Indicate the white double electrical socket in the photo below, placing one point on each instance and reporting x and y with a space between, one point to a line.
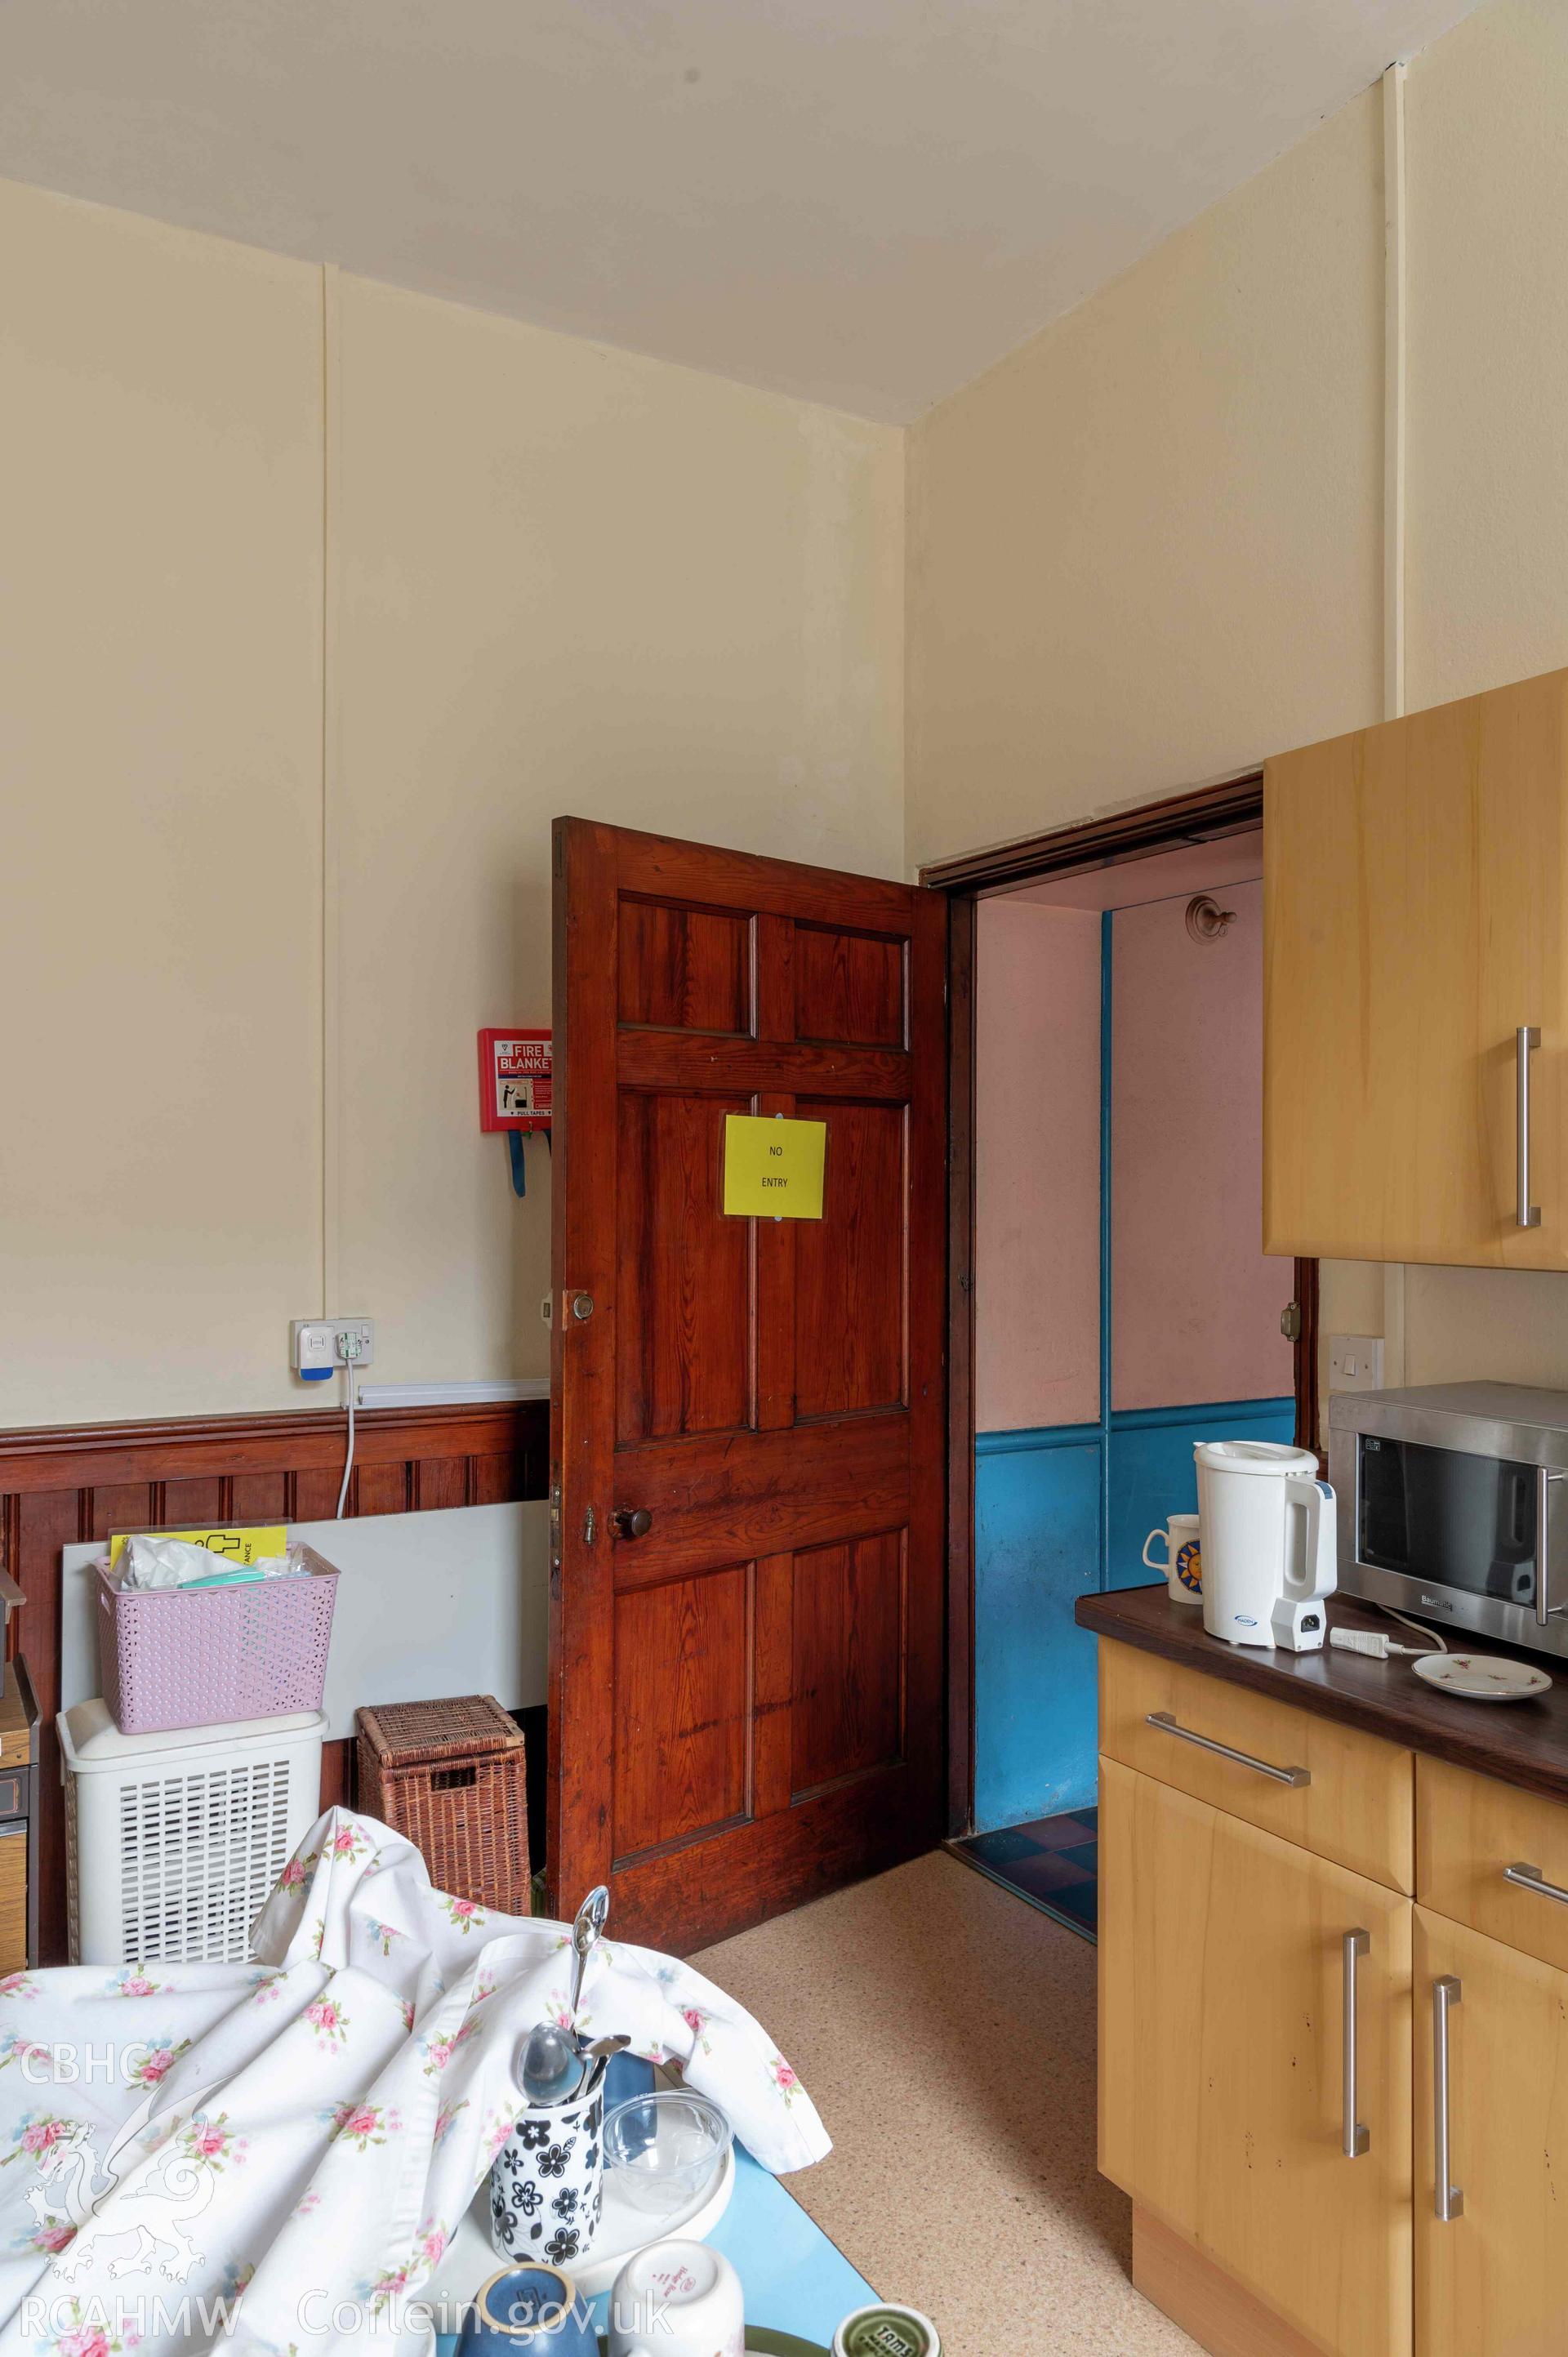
320 1344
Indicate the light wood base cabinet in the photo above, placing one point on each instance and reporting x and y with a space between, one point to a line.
1355 1803
1223 2038
1219 2313
13 1896
1223 2041
1493 2280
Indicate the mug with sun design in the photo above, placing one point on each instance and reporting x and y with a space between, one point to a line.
1183 1566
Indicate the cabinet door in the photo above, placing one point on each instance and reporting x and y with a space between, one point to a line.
1222 2042
1493 2280
1414 919
13 1896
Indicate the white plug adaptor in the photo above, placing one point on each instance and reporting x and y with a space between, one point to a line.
319 1346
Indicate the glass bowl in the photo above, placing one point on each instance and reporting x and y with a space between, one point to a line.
665 2150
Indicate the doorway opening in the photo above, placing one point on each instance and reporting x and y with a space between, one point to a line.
1119 1307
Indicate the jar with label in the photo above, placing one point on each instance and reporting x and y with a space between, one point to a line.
887 2330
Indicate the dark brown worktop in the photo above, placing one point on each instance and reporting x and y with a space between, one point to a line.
1521 1743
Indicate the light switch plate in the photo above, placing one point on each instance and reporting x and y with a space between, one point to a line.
1355 1362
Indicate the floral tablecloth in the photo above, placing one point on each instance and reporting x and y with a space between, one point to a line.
273 2156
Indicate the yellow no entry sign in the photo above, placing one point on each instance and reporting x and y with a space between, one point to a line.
773 1169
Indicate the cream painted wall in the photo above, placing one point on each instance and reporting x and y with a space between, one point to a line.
1146 549
1486 540
570 581
1487 490
160 748
558 579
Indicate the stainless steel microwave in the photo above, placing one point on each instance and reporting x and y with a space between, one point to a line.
1452 1505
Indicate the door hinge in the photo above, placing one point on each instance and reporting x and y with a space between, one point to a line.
589 1527
1290 1321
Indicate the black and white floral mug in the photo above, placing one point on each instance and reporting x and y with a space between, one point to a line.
546 2180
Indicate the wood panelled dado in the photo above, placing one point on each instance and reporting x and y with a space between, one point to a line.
747 1695
67 1484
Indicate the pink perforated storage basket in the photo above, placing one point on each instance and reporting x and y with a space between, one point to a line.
201 1656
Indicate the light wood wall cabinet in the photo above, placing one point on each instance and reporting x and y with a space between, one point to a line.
1414 902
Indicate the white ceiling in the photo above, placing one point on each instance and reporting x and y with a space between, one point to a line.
865 201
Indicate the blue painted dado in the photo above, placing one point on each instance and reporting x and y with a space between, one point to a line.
1041 1540
1036 1550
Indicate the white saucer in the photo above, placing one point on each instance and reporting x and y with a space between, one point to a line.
1482 1677
471 2258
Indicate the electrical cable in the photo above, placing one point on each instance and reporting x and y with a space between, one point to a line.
350 1350
1436 1642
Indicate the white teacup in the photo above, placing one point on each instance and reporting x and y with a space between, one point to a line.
677 2300
1183 1566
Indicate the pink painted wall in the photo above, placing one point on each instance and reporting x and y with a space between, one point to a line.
1196 1304
1036 1167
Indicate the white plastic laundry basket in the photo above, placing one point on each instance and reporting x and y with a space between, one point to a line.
174 1841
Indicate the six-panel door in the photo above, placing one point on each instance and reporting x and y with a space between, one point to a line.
1222 2048
748 1430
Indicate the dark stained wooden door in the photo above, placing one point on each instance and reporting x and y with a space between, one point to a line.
747 1699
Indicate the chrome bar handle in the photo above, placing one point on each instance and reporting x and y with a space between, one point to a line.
1528 1037
1531 1878
1544 1606
1447 2200
1357 2136
1168 1726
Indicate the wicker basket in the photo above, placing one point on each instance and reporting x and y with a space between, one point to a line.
449 1777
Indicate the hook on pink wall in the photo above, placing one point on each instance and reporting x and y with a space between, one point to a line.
1206 921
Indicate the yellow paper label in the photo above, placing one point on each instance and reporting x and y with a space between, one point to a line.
773 1169
234 1545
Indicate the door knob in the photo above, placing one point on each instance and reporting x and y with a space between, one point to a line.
632 1522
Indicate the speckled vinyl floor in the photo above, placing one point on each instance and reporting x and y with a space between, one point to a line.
945 2029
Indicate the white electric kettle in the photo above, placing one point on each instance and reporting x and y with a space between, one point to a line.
1266 1526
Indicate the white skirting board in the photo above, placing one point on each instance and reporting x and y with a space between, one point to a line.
447 1603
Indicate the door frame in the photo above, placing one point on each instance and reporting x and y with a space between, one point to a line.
1232 807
